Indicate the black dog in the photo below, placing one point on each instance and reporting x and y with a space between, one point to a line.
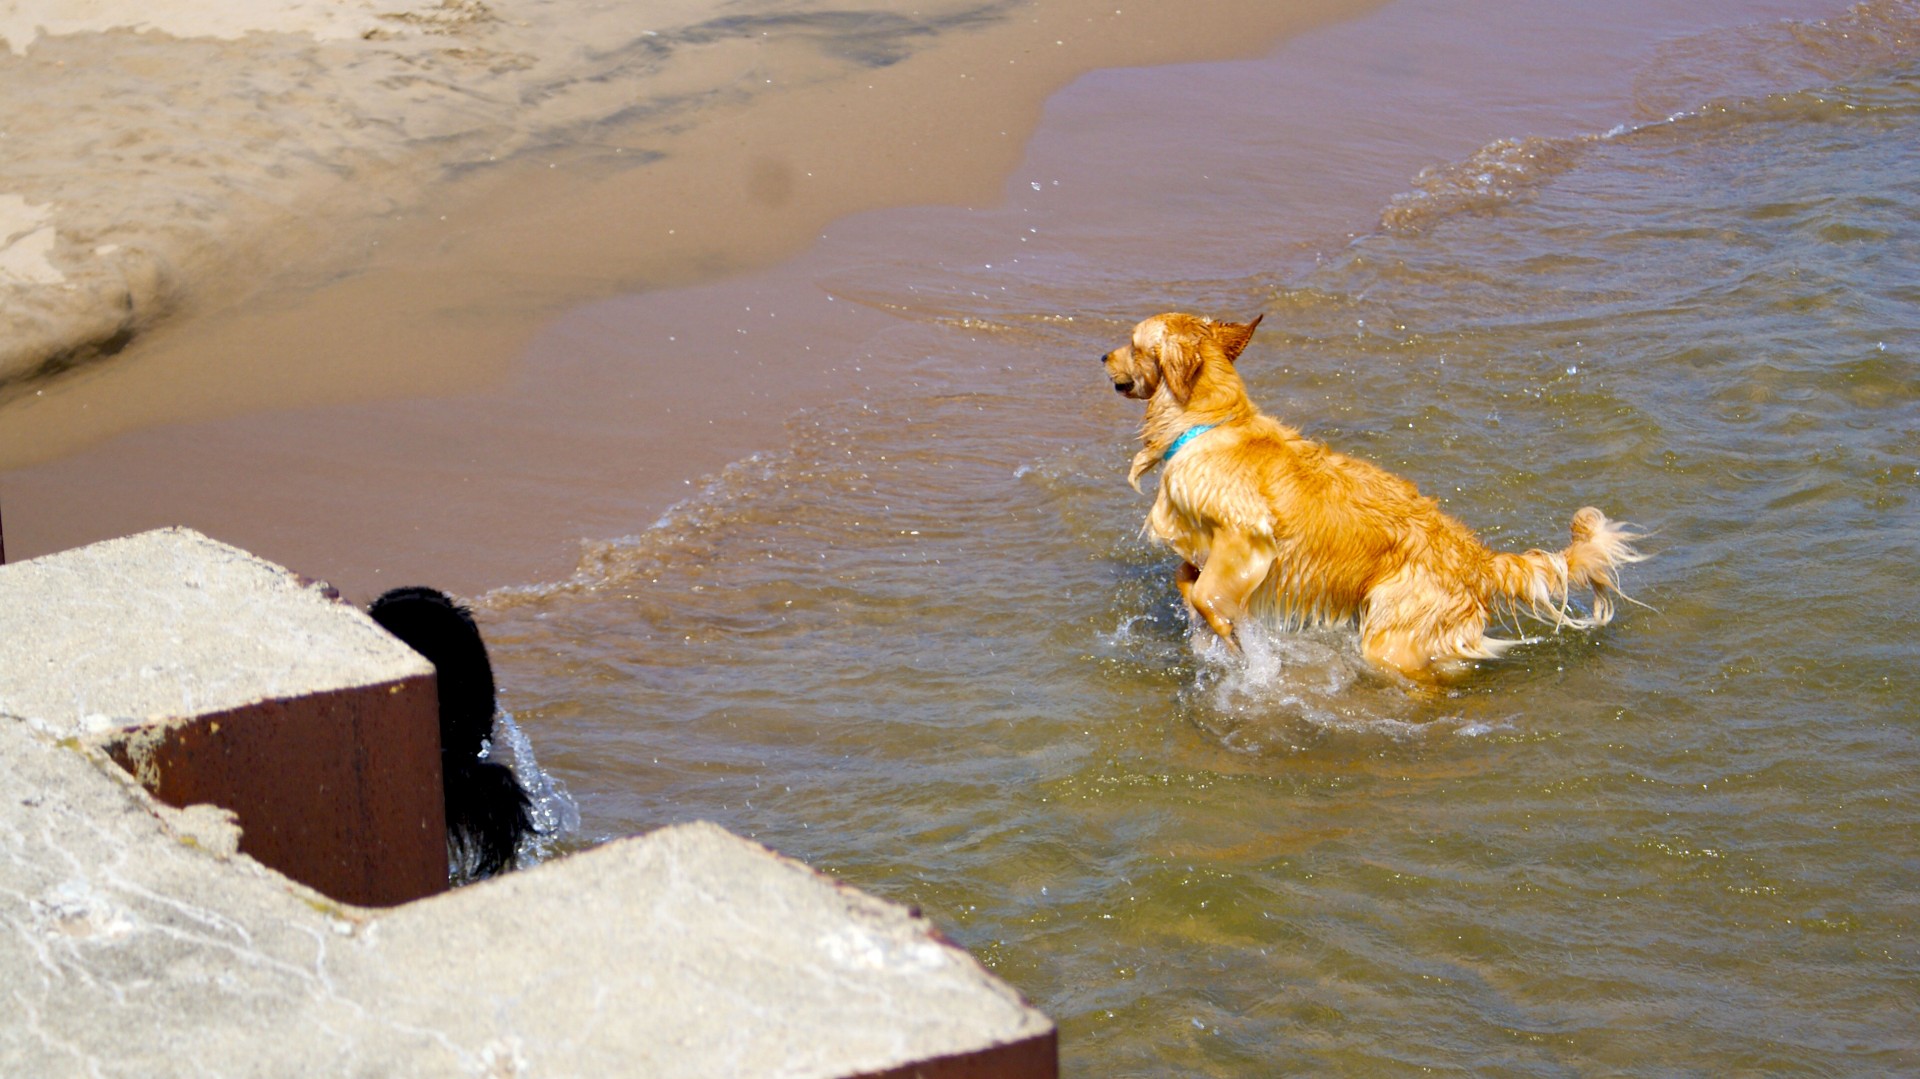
488 813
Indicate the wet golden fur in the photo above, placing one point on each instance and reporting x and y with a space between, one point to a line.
1269 520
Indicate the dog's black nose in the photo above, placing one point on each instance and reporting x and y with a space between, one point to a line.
1123 387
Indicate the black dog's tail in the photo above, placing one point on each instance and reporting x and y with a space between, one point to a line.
488 813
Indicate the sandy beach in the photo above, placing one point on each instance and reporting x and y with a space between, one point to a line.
473 317
215 211
452 173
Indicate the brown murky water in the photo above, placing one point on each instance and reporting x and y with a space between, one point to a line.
922 646
915 639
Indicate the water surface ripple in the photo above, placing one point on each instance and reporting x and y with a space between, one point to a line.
925 648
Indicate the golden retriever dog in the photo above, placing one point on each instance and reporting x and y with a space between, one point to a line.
1271 522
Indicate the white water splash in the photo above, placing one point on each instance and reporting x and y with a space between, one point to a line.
555 814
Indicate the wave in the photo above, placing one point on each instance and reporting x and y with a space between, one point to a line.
1732 75
1492 176
679 536
1734 66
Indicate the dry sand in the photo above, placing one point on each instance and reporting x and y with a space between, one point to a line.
151 146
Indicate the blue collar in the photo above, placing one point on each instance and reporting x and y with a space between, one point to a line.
1186 436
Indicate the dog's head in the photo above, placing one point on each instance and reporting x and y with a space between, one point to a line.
1170 350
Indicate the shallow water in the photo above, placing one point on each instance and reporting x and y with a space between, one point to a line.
924 647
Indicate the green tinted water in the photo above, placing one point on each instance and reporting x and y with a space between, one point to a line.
926 650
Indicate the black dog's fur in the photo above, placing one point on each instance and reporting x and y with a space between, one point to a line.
488 813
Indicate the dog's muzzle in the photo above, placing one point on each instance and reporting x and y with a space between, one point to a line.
1123 388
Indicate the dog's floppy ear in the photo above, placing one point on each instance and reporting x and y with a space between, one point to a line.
1180 363
1233 336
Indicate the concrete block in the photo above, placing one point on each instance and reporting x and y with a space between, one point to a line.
216 677
135 947
138 938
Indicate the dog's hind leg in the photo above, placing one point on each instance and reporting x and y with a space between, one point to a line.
1416 623
1397 651
1224 587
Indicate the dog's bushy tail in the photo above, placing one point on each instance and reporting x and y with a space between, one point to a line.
1538 583
488 813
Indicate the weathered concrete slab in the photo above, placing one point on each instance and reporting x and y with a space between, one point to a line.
217 677
141 939
133 946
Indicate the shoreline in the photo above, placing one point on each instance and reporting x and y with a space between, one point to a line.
548 433
424 269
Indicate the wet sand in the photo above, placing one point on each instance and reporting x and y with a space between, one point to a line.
729 157
741 149
576 347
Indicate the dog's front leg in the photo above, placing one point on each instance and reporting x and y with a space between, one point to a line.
1222 591
1183 579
